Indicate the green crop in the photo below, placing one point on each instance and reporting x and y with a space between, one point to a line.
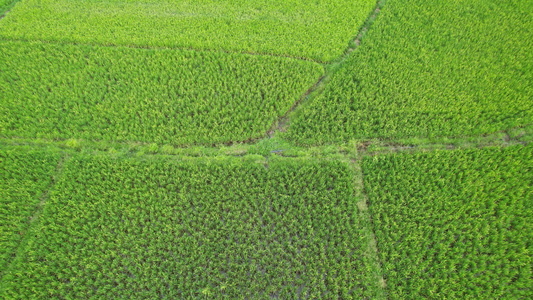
177 97
430 68
5 5
198 228
24 177
318 30
454 224
216 149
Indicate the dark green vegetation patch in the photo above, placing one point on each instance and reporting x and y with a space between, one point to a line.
25 177
5 5
454 224
199 228
163 96
318 30
430 69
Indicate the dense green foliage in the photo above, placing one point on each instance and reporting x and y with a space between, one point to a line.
3 5
455 224
116 228
99 84
125 94
430 68
6 5
318 30
24 177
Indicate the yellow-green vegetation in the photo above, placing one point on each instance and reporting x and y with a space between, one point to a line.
25 176
214 228
318 30
430 68
454 224
177 97
298 149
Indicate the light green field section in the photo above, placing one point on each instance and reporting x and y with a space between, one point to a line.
198 228
454 224
24 178
430 68
318 30
177 97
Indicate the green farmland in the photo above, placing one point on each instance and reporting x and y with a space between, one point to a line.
322 29
429 69
299 149
454 224
67 91
225 228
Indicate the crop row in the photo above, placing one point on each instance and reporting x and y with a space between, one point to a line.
176 97
122 228
429 69
318 30
24 176
454 224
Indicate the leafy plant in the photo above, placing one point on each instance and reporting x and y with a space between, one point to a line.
454 224
317 30
25 176
429 69
160 96
215 228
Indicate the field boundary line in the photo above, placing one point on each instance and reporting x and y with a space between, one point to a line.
3 14
356 41
435 147
515 136
505 138
140 47
284 118
522 135
365 217
331 69
34 218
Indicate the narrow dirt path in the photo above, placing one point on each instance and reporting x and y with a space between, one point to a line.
36 213
371 251
331 68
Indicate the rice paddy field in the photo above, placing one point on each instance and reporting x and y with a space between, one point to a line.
298 149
